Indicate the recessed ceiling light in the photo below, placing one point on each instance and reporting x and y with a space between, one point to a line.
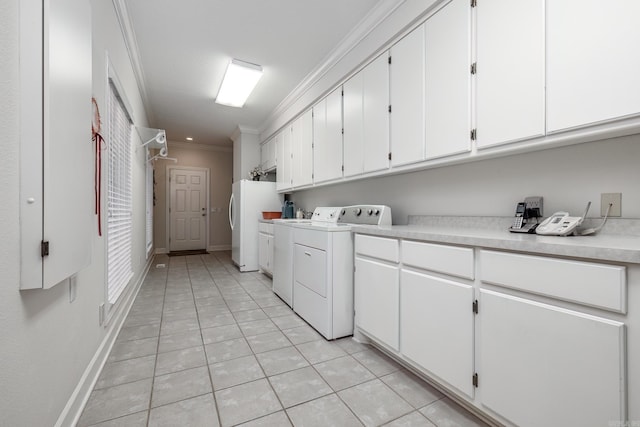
189 138
239 81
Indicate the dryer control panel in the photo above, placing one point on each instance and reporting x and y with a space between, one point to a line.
365 215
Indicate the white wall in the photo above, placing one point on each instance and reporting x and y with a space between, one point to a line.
566 177
246 152
219 161
46 341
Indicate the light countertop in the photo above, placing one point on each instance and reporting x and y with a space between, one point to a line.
623 248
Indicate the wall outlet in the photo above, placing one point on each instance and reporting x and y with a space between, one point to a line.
534 202
615 199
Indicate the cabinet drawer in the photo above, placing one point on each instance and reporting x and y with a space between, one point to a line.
451 260
265 227
377 247
309 269
312 238
596 285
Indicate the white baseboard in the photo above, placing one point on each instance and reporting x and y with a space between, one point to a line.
213 248
75 405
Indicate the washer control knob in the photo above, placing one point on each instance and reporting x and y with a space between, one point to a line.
377 212
369 212
357 211
344 211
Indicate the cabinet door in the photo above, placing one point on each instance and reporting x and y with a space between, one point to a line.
263 252
541 365
334 135
376 114
302 148
510 71
447 82
268 154
592 62
283 159
56 158
377 300
263 155
279 160
327 138
320 145
436 327
407 99
270 251
353 125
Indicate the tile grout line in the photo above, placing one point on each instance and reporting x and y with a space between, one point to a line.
204 350
153 377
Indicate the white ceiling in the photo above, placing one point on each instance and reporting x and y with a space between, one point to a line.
183 48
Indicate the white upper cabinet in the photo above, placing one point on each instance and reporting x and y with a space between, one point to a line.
376 114
592 62
510 71
447 82
56 155
302 149
283 159
353 125
268 154
327 137
366 119
407 98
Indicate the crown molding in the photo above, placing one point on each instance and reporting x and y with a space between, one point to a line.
374 18
243 130
197 146
129 36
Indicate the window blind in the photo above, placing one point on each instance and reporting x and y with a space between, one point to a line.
119 198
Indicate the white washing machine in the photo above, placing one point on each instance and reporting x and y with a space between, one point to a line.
323 266
282 273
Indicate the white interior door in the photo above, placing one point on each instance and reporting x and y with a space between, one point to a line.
187 209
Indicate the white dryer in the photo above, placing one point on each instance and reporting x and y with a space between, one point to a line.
323 266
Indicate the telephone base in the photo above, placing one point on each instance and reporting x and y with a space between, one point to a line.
526 229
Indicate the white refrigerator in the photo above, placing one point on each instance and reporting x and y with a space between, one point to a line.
248 200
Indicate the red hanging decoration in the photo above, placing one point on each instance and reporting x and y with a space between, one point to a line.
99 141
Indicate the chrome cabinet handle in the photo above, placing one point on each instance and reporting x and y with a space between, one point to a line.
307 253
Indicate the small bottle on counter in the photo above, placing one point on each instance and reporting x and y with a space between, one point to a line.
299 214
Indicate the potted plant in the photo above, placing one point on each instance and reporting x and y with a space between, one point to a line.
257 173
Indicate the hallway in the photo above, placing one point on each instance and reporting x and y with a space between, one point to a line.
206 345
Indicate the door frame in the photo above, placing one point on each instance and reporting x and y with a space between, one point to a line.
168 202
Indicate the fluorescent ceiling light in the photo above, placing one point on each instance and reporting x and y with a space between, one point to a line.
239 80
189 138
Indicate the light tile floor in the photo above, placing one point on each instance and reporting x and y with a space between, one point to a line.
206 345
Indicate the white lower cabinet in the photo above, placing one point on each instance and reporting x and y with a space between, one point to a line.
436 327
551 355
377 300
265 248
541 365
